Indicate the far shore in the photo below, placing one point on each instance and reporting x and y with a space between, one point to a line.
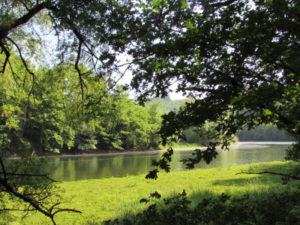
114 152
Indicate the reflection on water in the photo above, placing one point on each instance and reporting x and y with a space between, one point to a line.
95 167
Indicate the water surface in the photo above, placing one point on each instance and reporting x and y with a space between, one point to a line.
70 168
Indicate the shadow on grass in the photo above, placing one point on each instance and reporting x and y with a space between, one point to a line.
282 207
252 175
239 181
279 204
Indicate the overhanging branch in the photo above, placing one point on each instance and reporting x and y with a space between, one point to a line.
7 55
36 204
78 69
222 4
6 28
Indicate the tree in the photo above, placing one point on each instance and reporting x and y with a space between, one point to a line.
39 119
27 125
80 39
238 60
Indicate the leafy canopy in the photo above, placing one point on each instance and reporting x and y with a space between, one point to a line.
238 60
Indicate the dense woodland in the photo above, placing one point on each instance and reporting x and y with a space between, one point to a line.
50 114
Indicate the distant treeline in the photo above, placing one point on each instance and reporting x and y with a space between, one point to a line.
192 135
264 133
202 136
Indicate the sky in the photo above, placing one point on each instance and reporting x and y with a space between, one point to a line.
126 81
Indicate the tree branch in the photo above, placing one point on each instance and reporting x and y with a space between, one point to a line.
27 69
199 89
6 28
78 69
36 204
3 168
7 55
221 4
21 56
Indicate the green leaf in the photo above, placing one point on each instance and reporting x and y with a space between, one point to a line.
267 112
188 24
184 4
269 2
236 99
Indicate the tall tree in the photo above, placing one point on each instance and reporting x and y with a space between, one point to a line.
238 60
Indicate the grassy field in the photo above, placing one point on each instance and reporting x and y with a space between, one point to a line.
104 199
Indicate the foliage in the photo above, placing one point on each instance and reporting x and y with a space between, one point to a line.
192 135
24 188
37 118
293 152
236 60
23 185
59 120
271 208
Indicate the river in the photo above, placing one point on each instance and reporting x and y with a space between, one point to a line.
69 168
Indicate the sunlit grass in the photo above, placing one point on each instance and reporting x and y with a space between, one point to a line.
109 198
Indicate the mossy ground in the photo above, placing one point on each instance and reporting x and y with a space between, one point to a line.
110 198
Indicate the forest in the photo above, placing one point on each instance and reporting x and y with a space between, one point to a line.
52 116
63 105
44 120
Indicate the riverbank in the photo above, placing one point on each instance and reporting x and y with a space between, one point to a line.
117 152
177 147
244 145
109 198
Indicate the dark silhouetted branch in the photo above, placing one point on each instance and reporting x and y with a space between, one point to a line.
36 204
7 27
33 199
222 4
78 69
22 57
7 55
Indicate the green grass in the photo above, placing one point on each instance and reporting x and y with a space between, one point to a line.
104 199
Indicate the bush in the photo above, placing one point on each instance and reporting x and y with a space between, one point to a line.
261 209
